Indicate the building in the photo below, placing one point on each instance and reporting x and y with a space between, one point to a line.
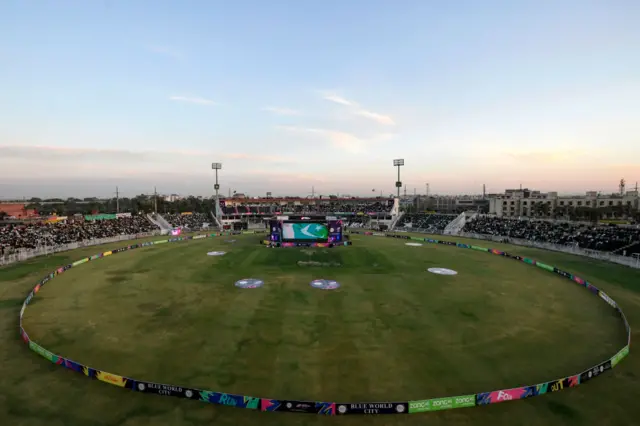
591 206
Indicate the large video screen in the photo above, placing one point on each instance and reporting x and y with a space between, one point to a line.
304 231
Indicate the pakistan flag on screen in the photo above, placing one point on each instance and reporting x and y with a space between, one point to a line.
305 231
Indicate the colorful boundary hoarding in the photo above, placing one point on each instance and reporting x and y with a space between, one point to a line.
331 408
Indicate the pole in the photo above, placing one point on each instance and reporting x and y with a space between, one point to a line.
117 201
216 187
398 181
155 200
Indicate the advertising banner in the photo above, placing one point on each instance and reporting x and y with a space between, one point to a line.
326 408
167 390
99 217
595 371
563 273
557 385
544 266
503 395
618 357
114 379
437 404
186 213
119 215
42 352
230 399
607 299
373 408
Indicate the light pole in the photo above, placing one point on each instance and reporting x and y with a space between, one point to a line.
398 163
216 167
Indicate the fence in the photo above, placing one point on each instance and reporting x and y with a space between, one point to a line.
25 254
594 254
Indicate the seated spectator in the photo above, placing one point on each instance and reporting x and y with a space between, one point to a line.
32 235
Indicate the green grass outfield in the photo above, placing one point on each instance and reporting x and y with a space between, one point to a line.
171 314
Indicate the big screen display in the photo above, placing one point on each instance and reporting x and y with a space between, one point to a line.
304 231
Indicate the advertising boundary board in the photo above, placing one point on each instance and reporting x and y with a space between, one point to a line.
332 408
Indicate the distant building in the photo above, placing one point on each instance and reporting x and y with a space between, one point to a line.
173 197
529 203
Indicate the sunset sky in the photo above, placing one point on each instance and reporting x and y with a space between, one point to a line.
290 94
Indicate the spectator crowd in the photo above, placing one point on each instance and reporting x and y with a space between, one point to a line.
320 207
191 221
33 235
604 238
425 222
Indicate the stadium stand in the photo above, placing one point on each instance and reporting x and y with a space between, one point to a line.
601 238
191 220
33 235
425 222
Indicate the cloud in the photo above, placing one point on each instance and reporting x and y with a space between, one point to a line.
356 109
343 140
382 119
192 100
165 51
338 99
281 111
83 156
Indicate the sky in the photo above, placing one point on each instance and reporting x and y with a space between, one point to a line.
296 96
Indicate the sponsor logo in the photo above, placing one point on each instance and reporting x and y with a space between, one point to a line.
325 284
112 379
607 299
249 283
618 357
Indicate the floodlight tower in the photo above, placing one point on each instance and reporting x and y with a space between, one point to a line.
398 163
216 167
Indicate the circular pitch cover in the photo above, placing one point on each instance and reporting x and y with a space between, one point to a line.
325 284
249 283
442 271
216 253
413 244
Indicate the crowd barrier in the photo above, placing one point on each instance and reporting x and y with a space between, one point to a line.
632 262
333 408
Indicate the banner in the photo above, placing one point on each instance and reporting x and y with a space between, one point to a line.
442 403
119 215
330 408
99 217
373 408
326 408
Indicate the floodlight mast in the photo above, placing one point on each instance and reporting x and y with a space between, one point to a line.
216 167
398 163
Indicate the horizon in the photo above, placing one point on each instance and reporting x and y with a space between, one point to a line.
293 95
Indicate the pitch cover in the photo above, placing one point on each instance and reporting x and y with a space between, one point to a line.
324 408
595 371
373 408
167 390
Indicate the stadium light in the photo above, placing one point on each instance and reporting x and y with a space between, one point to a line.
398 163
216 167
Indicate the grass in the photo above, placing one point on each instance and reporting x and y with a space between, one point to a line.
171 314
